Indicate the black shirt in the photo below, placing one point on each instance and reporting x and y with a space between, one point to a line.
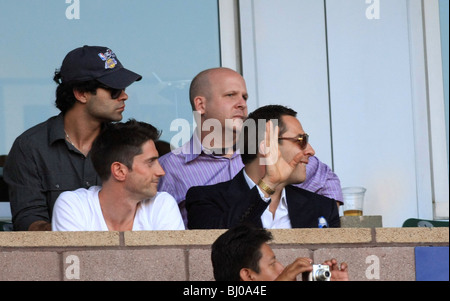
41 165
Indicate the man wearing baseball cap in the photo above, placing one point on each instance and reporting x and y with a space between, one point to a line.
54 156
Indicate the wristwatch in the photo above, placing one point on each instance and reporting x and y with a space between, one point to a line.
265 187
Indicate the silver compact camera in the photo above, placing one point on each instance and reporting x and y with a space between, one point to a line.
320 272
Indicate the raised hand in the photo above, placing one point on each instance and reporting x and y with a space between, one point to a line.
301 265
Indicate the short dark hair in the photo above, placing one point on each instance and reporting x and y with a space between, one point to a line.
120 142
249 140
237 248
65 99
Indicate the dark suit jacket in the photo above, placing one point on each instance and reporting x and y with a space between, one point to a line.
226 204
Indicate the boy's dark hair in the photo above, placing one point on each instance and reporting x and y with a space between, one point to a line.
237 248
120 142
249 140
65 99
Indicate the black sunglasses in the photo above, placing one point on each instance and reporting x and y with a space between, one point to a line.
115 93
302 140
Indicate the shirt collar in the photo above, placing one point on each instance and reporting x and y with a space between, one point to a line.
194 148
56 129
249 181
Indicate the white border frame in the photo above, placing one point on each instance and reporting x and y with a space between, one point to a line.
438 143
419 93
230 50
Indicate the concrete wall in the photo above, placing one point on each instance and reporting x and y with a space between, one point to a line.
372 253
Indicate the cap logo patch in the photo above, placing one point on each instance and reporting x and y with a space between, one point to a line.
109 58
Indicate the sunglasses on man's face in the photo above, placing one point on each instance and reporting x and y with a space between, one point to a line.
301 140
115 93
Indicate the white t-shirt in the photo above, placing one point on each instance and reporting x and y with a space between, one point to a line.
80 210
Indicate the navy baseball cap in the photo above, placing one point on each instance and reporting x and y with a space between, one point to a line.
99 63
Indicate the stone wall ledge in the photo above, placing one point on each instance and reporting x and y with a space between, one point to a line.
412 235
383 254
59 239
371 236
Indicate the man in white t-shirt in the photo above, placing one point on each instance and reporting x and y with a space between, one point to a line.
125 158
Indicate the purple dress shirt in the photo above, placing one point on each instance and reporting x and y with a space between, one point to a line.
190 166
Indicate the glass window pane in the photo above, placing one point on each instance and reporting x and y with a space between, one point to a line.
168 42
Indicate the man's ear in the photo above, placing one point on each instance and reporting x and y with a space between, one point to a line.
247 274
80 96
119 171
200 104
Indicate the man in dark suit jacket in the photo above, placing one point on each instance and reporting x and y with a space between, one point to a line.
275 153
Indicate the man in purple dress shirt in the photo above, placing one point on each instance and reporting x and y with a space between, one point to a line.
220 95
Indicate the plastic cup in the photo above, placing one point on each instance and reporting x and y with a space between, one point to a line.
353 200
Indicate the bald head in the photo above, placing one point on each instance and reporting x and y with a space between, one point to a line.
202 83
